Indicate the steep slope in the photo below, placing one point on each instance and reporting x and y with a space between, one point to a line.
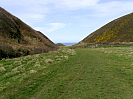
20 37
119 30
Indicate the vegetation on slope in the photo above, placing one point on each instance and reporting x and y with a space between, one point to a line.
21 38
119 30
92 73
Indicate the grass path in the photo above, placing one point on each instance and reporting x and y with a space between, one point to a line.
99 78
74 78
90 74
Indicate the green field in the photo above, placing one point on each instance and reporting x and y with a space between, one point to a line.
86 73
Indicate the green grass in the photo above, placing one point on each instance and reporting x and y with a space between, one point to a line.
91 73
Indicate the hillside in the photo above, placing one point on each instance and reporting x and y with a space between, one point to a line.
118 30
18 36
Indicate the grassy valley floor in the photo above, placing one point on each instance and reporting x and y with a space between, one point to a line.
93 73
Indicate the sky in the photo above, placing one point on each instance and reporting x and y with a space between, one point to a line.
65 21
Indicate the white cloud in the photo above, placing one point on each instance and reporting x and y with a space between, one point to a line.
33 16
51 27
75 4
112 8
55 26
42 7
67 4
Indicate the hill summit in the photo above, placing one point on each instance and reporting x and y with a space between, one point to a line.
18 39
118 30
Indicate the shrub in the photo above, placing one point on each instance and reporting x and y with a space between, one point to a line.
39 50
6 51
2 69
49 61
15 70
69 51
37 64
33 71
58 58
66 57
18 69
22 52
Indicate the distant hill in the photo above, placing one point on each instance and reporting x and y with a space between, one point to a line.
17 36
118 30
60 44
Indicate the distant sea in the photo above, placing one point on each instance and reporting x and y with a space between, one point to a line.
68 44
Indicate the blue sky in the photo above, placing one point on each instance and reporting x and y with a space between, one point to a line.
67 20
